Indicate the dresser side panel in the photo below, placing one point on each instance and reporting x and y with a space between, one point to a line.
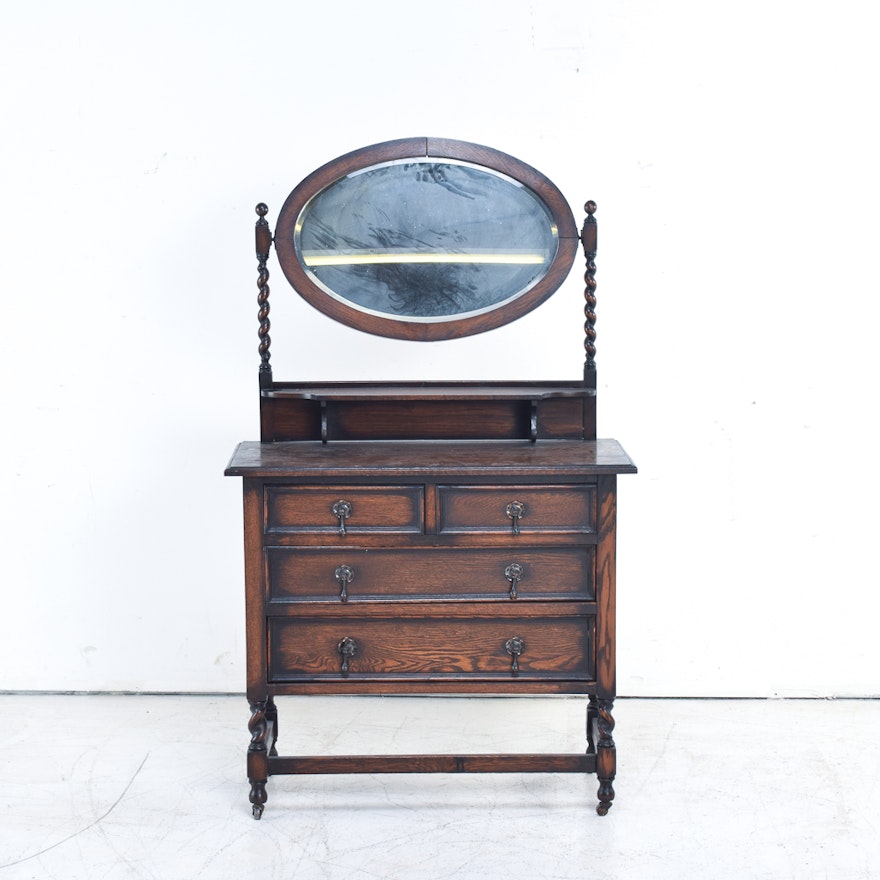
606 588
255 589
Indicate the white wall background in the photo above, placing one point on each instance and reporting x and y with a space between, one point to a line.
733 152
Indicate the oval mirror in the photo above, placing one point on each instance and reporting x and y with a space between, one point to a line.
425 239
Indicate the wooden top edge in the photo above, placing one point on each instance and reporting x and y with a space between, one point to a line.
423 458
428 392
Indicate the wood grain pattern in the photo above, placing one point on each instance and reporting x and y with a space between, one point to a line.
540 762
430 647
558 509
303 574
373 509
489 461
408 537
465 324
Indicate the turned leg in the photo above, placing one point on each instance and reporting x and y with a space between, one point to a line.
272 718
592 712
257 759
606 756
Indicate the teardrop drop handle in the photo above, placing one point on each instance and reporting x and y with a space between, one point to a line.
344 574
342 510
515 647
516 510
347 648
514 573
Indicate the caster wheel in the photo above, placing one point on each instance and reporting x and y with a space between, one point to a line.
257 810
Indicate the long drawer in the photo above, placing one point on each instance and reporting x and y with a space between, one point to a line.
430 648
353 575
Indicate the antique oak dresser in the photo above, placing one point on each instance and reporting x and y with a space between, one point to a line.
427 537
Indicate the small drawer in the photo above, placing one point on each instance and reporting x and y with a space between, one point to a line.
518 510
355 648
344 510
305 574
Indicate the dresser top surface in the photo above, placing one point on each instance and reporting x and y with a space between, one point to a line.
549 458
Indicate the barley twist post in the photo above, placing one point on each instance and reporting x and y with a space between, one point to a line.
258 774
588 240
264 242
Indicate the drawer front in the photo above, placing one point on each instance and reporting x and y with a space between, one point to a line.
297 574
518 510
344 510
430 648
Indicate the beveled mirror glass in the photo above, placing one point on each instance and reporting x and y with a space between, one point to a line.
424 246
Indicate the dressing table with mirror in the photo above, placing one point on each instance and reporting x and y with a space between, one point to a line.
428 537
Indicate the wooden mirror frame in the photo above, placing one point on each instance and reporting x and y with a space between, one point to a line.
454 326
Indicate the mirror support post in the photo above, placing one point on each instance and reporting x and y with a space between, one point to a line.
263 235
589 240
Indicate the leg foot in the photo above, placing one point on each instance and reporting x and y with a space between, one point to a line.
606 796
606 756
258 799
257 759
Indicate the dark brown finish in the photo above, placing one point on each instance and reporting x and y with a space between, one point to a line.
432 649
343 509
496 461
263 237
429 574
420 148
418 595
522 763
589 242
427 537
428 411
464 509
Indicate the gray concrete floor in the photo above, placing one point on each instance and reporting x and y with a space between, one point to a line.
154 787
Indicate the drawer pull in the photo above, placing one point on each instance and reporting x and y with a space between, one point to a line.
344 574
342 510
347 648
515 647
514 573
516 510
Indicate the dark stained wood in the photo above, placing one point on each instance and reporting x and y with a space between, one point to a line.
529 415
449 149
433 648
417 148
606 684
440 686
439 411
382 392
428 420
253 581
429 537
588 240
263 236
386 509
309 574
519 763
483 461
560 509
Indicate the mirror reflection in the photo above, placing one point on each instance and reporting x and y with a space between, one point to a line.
425 240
